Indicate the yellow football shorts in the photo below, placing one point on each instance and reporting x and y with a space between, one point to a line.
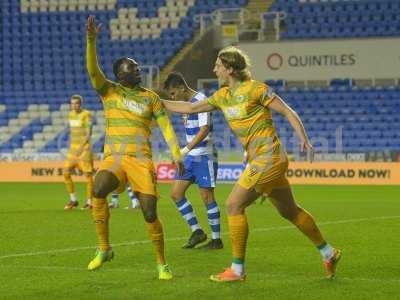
84 161
265 175
139 172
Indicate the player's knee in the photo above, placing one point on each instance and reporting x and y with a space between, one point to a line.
298 214
233 208
176 196
105 182
67 174
149 215
207 195
289 214
100 191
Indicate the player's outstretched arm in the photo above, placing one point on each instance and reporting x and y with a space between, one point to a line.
183 107
96 76
170 137
278 105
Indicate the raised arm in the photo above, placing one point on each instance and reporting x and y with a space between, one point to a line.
183 107
278 105
96 76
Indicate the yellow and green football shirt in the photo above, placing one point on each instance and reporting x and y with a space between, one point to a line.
246 110
129 114
79 124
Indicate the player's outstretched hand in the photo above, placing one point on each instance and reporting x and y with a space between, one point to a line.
306 146
179 167
92 29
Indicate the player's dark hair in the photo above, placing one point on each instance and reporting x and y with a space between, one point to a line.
123 71
116 65
174 80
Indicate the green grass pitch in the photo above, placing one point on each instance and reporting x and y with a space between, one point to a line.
44 250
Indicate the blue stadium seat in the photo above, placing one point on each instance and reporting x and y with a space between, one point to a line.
45 60
339 19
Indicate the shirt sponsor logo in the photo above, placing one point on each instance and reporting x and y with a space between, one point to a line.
134 107
75 123
233 112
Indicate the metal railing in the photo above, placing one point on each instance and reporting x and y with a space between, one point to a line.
222 16
239 16
272 17
231 15
150 76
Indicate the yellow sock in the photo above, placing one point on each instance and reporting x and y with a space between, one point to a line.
155 230
101 216
69 183
89 187
305 222
238 232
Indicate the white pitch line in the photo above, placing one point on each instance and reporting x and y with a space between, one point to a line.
313 278
63 268
327 223
181 238
81 248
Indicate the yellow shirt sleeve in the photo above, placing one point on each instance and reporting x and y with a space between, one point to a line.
215 99
158 108
166 128
264 93
96 75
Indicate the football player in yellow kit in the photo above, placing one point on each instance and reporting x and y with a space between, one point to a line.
129 110
247 105
80 151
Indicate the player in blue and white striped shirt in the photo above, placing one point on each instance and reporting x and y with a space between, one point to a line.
200 166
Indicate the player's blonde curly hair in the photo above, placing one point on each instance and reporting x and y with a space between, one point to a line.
232 57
